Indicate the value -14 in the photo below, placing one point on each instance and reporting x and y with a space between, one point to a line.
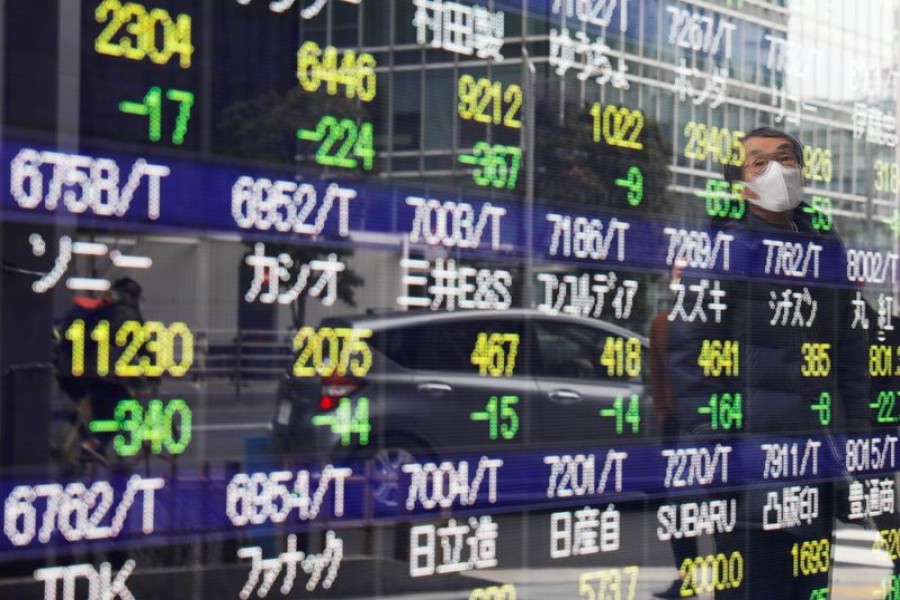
623 414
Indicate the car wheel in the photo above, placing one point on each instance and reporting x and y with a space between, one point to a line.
386 472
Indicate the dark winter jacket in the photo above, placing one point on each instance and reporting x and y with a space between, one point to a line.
798 343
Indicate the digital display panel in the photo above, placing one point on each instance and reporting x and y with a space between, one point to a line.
485 299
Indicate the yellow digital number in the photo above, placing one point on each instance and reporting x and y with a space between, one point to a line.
332 351
621 356
488 102
816 360
617 126
714 572
719 358
887 177
131 336
75 334
609 584
811 557
148 349
155 345
495 354
817 164
881 360
889 542
356 72
720 143
144 30
494 592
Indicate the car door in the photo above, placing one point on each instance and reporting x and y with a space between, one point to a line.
471 383
588 379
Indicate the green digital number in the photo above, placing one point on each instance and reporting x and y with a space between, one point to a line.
343 143
821 594
884 404
625 415
634 184
821 213
890 588
151 107
497 165
823 407
154 426
724 199
347 421
501 416
725 411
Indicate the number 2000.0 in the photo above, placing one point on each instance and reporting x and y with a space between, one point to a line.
713 572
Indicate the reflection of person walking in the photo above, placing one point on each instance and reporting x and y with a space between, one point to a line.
666 408
786 368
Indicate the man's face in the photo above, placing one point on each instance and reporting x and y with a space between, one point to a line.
758 152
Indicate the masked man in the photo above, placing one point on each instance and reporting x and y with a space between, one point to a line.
788 358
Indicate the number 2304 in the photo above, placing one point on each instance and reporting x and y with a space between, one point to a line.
143 33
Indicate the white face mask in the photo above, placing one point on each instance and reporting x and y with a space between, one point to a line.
778 188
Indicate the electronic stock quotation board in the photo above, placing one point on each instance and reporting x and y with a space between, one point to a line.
446 298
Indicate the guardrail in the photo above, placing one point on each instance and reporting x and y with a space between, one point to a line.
240 356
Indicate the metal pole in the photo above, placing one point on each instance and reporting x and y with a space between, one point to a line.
530 75
68 86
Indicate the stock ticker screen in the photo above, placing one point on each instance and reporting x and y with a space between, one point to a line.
432 299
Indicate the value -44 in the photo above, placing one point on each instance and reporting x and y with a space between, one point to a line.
346 421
